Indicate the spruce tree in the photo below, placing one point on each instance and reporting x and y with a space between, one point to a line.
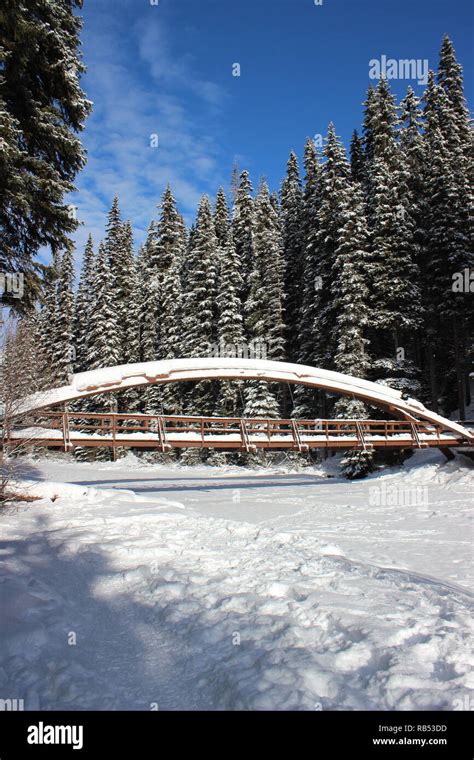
293 253
64 349
199 323
48 316
170 253
161 300
306 398
230 324
127 299
335 176
104 342
83 307
264 308
350 294
242 227
357 158
148 296
459 132
392 271
43 108
447 253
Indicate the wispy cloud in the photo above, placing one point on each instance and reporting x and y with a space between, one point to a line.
140 89
168 69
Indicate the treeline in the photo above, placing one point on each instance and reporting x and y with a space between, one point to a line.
355 267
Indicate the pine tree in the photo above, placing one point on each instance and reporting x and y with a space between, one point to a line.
221 219
230 325
447 252
306 398
125 294
459 133
170 252
234 182
230 329
199 304
392 271
357 158
369 124
48 318
64 349
43 108
104 344
450 78
148 296
335 176
161 300
293 251
264 307
128 306
242 227
83 307
350 295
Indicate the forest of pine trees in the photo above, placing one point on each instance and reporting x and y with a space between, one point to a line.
351 268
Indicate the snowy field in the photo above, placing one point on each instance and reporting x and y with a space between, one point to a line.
131 586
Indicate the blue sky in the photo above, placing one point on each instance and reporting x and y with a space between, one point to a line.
166 70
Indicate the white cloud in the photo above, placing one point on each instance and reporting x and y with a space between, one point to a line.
173 102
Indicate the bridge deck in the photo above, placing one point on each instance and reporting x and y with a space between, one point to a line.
70 429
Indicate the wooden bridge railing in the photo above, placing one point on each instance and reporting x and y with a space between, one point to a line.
68 429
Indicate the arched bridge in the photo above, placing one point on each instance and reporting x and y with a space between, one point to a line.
414 426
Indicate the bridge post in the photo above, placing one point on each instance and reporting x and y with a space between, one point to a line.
114 431
66 433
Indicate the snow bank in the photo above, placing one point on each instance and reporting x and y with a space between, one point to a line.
287 607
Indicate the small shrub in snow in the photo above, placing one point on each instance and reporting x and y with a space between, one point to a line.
357 464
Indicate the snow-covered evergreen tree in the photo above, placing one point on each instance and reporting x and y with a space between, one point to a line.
357 158
458 128
264 308
230 323
350 294
83 308
161 318
148 295
125 291
64 348
222 223
199 323
170 253
104 338
242 227
306 398
293 253
45 108
447 252
392 270
334 179
48 316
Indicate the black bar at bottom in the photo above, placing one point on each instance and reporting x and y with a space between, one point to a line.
150 734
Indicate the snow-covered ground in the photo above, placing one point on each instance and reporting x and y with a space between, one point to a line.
130 586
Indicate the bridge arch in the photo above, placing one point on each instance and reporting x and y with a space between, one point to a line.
121 377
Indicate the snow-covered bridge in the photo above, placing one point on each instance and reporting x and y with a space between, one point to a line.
414 426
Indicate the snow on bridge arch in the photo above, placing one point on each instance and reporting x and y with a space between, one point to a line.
178 370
